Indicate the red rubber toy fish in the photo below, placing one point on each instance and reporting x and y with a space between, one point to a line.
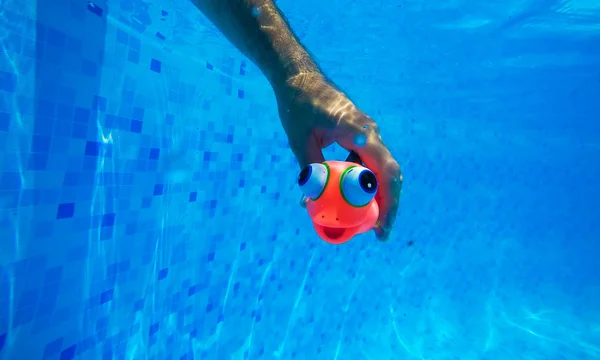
340 198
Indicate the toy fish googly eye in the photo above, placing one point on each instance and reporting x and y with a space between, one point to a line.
313 180
358 186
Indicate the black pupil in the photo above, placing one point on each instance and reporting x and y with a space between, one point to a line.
304 174
367 181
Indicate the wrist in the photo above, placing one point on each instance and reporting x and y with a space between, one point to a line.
292 62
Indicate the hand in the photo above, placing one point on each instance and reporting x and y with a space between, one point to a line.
316 114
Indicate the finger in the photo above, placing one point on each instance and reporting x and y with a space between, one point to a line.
378 158
306 150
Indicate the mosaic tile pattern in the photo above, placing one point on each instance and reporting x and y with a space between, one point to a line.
148 208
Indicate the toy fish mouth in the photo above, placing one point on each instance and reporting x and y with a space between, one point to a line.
333 233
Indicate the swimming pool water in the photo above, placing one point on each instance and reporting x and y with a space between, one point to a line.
148 207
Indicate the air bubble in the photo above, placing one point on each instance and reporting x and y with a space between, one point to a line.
360 140
255 11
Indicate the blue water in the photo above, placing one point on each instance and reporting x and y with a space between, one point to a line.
148 206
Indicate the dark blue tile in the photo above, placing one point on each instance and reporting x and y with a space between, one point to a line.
2 341
8 81
69 353
106 296
160 36
92 148
65 211
240 93
4 121
94 9
153 329
108 220
170 119
193 196
209 66
159 189
136 126
154 154
163 273
155 65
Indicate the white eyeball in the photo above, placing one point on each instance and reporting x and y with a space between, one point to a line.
313 179
358 186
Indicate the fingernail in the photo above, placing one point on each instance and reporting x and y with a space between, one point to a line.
382 234
303 201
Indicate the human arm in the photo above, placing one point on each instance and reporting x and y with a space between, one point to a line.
260 31
313 111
